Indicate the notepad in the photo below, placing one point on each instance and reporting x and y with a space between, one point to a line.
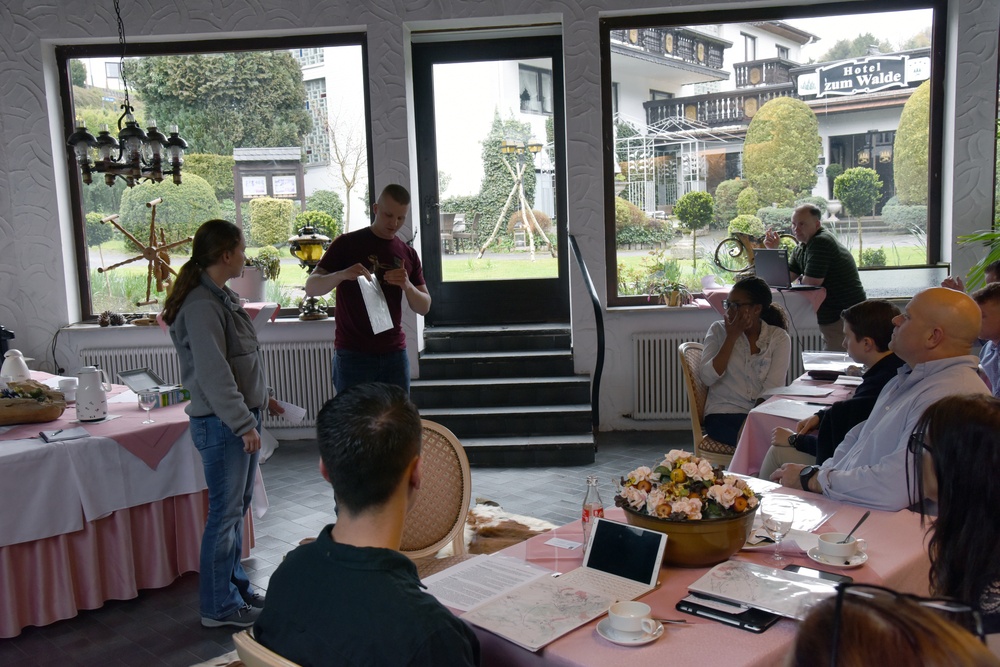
58 435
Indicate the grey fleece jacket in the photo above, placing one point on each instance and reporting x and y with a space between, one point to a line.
219 357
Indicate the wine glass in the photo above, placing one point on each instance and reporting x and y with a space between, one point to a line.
147 399
777 521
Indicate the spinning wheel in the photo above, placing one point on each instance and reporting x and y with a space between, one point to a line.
155 252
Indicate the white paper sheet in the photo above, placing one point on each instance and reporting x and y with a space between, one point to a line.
479 579
797 410
849 380
375 304
798 390
292 413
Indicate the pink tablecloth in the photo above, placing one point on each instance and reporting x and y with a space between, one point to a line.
897 559
755 439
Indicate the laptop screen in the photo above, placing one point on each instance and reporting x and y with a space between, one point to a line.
771 266
627 551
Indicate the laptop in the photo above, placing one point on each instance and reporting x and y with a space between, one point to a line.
621 561
771 266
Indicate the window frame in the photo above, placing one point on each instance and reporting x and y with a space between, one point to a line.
779 13
540 74
749 44
67 52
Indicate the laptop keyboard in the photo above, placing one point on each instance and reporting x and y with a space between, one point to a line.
606 584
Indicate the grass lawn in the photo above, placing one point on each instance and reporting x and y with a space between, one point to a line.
503 268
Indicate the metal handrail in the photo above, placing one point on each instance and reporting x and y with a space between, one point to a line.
595 389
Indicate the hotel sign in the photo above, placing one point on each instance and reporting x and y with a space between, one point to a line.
864 75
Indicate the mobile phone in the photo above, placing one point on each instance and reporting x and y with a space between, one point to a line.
746 618
819 574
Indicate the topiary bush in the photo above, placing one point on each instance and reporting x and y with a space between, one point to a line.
819 202
183 209
873 257
694 210
909 166
726 198
747 224
858 189
323 223
904 217
781 150
227 210
776 217
326 201
96 232
216 169
270 220
747 203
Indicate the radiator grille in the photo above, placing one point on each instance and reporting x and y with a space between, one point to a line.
658 389
298 372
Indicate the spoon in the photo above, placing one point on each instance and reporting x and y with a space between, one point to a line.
856 526
670 620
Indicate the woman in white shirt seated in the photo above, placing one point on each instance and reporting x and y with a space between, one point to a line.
745 353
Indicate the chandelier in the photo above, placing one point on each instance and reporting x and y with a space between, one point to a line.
135 154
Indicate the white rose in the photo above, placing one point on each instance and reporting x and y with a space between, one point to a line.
705 470
639 474
690 469
634 496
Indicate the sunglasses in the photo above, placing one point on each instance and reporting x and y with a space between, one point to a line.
952 610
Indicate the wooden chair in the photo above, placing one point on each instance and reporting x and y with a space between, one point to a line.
704 446
438 517
467 233
253 654
447 240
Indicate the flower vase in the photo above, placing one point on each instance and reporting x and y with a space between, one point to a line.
250 285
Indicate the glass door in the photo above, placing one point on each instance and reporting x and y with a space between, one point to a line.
489 118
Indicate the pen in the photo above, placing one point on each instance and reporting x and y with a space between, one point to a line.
57 432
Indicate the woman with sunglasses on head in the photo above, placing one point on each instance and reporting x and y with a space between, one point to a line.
745 353
869 625
955 456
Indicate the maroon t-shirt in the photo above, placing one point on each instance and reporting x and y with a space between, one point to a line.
353 328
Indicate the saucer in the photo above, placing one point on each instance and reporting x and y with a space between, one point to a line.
605 630
857 560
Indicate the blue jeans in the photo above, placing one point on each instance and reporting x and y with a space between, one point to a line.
229 472
724 427
351 368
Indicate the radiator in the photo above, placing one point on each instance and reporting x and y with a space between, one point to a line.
298 372
658 379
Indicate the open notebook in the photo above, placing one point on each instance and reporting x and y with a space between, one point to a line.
622 562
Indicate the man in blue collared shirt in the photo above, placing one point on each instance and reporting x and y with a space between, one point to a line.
934 336
988 299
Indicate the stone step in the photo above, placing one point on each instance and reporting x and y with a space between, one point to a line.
495 392
467 365
513 421
530 451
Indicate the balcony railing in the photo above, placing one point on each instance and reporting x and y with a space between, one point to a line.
770 72
732 107
674 44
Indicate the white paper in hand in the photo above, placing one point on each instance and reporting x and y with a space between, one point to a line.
375 303
292 412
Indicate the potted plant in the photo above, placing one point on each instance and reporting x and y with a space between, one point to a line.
266 265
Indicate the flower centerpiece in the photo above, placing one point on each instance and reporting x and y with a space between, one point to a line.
706 513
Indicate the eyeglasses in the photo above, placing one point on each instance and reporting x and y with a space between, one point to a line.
952 610
916 443
727 304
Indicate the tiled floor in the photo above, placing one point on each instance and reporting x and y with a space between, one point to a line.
161 627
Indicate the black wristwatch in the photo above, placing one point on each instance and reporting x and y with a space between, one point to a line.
792 438
807 474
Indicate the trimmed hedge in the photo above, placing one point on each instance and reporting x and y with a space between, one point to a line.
270 221
183 209
96 232
323 222
819 202
747 224
909 165
775 216
904 217
726 198
782 150
748 202
216 169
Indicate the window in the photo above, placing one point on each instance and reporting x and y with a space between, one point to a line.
749 47
317 143
659 95
614 99
536 90
858 111
113 74
282 143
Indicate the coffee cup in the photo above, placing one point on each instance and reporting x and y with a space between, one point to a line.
68 388
631 618
830 545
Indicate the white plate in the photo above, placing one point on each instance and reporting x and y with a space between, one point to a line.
605 630
857 560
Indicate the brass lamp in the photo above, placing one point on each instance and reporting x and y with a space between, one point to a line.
308 247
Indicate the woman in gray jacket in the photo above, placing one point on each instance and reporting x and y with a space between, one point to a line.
222 368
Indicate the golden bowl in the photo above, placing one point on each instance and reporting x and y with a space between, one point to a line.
698 543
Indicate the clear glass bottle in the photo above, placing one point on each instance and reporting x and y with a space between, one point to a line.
592 507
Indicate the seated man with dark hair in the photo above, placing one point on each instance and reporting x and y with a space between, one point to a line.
350 597
988 299
867 332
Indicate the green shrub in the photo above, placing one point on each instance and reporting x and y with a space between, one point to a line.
726 200
96 232
694 210
227 210
270 220
873 257
183 209
776 217
326 201
216 169
819 202
268 260
322 222
858 189
904 217
833 170
909 166
747 203
782 150
628 214
747 224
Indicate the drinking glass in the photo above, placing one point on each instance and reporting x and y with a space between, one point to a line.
777 520
147 399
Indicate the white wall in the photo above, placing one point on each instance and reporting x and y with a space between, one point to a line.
38 294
